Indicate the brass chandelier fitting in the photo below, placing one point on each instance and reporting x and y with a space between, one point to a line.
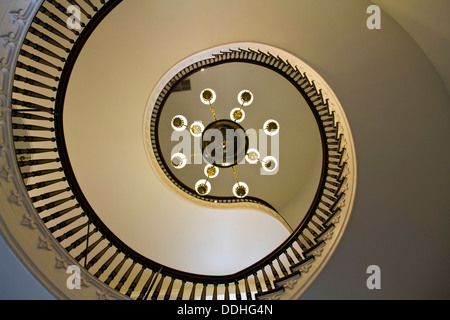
224 143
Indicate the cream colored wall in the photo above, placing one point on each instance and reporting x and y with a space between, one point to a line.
427 23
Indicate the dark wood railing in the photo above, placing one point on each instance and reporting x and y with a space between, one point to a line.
42 74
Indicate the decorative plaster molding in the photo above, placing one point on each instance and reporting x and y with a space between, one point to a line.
304 268
277 295
20 14
29 221
20 225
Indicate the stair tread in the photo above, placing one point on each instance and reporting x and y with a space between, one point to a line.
298 264
269 292
294 274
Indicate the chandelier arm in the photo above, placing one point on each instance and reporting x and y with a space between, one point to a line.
254 132
235 175
192 155
212 111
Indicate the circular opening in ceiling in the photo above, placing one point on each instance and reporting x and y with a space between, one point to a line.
158 222
277 148
112 170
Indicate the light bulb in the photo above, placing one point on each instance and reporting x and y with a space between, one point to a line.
179 123
240 190
269 164
271 127
252 156
208 96
245 98
178 160
237 115
211 171
196 129
203 187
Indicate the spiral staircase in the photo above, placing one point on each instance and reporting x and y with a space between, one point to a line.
49 222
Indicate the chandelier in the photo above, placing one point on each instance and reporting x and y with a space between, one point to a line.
224 143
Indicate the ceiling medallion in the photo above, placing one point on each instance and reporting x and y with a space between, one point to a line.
224 143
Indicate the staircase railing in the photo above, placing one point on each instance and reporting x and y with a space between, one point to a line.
42 74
